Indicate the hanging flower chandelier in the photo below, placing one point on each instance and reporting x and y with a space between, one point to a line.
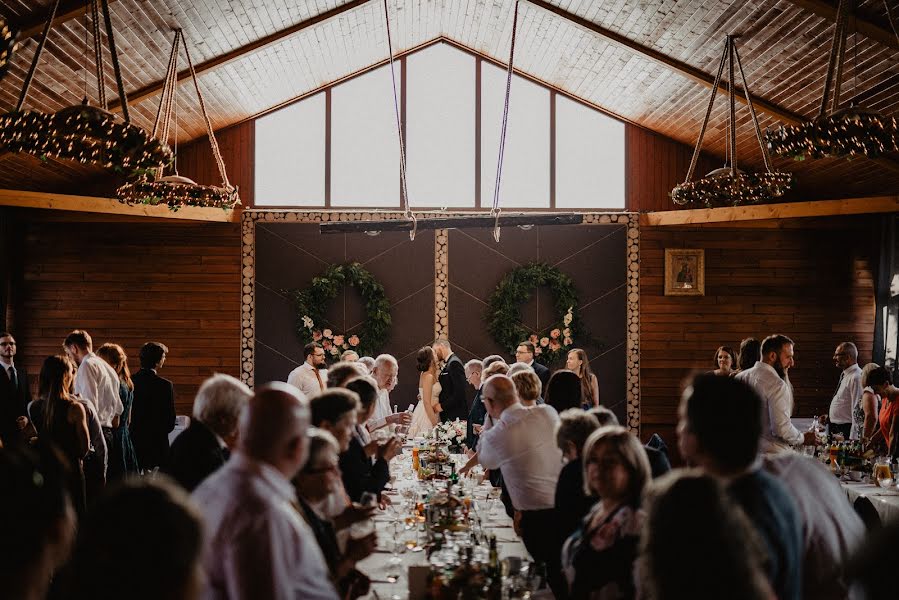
83 133
174 190
846 132
730 186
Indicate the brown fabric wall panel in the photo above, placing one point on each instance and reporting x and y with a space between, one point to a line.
289 255
592 255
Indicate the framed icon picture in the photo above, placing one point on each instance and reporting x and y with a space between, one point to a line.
684 272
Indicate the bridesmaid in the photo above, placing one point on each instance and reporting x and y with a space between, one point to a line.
124 456
578 363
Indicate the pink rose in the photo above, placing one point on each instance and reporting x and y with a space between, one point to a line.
566 332
326 345
345 347
334 351
354 340
338 340
327 333
537 351
316 335
554 334
554 345
544 342
533 339
567 341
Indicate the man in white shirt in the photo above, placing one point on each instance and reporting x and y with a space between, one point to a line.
95 381
385 373
522 444
849 391
256 543
307 377
769 379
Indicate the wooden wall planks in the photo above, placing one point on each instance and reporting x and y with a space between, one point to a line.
236 144
130 283
813 283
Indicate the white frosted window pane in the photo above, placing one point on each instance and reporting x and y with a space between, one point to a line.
589 157
365 155
525 178
290 155
440 105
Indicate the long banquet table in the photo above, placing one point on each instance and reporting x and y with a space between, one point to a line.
377 566
885 501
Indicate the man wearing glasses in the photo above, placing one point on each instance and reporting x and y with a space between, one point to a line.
849 391
525 354
307 377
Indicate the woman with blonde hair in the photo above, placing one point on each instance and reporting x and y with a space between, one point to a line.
578 363
122 457
864 415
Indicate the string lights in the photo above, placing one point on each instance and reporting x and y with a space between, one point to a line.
8 45
730 186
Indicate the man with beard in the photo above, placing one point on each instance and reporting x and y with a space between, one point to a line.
769 379
307 377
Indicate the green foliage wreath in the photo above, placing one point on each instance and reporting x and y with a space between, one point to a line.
504 312
310 305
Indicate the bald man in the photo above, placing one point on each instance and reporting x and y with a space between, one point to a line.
849 392
522 444
256 543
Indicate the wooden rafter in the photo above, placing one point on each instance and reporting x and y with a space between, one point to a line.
787 210
229 57
67 11
867 28
93 204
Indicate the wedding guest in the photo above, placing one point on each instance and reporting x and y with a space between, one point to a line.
604 416
15 393
473 370
527 385
341 372
881 382
125 457
156 555
769 380
256 545
154 408
368 361
564 390
725 361
864 415
385 374
656 450
726 557
350 356
452 399
37 521
849 391
207 443
572 504
427 411
64 422
598 558
97 383
518 367
750 353
315 483
525 352
522 444
831 529
307 377
719 429
492 359
360 474
578 362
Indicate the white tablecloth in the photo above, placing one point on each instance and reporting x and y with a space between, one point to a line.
885 501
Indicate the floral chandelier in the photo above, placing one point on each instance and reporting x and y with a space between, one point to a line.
174 190
729 185
846 132
83 133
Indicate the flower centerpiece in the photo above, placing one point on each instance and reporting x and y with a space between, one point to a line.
450 434
334 344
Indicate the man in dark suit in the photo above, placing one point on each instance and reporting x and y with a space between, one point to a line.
205 445
153 412
14 391
525 353
452 383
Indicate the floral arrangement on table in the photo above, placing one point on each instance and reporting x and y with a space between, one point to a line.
451 434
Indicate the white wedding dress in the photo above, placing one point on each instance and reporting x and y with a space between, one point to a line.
421 424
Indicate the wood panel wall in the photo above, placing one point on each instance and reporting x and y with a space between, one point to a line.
133 282
812 280
195 160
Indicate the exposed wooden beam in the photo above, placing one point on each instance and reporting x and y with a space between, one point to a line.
472 221
113 206
690 72
229 57
869 29
34 24
788 210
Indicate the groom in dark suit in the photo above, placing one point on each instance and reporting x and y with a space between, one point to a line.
452 383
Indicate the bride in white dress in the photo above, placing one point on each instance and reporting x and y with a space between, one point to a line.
427 412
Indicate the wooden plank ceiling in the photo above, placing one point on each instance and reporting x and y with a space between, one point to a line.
784 45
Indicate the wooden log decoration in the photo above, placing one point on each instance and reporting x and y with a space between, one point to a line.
454 222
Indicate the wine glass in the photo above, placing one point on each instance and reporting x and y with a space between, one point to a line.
396 547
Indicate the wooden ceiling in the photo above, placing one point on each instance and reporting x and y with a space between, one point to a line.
648 62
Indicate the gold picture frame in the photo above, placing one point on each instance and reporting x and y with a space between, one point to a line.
684 272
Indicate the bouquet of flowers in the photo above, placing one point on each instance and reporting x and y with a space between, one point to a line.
451 434
333 343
